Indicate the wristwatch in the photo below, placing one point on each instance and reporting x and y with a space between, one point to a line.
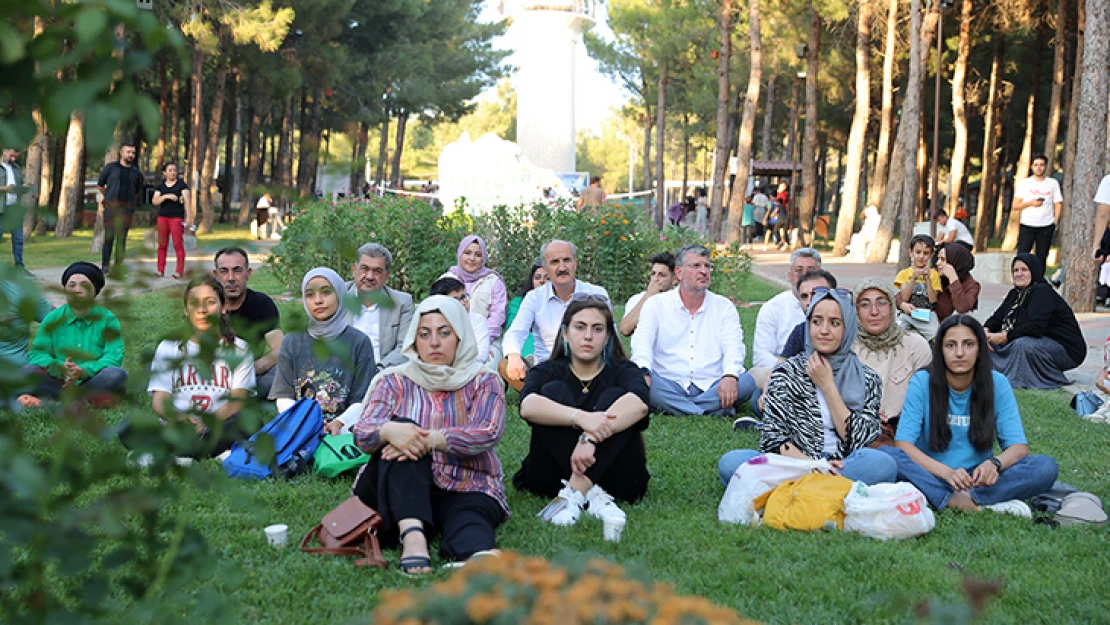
583 438
996 462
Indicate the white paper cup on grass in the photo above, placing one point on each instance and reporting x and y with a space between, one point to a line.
613 529
276 535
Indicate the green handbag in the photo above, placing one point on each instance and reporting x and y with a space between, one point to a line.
338 454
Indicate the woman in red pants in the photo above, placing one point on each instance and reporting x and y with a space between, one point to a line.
174 215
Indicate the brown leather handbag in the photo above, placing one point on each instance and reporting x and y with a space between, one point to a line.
349 530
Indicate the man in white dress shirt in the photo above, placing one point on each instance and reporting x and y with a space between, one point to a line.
691 342
661 281
385 313
777 318
541 312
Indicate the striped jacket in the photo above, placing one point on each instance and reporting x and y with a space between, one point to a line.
470 464
792 414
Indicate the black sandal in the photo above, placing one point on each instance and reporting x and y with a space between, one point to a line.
408 563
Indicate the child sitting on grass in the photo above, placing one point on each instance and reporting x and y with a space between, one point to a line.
918 286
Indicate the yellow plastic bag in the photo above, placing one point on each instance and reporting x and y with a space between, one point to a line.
807 503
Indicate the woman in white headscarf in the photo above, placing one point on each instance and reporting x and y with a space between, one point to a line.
431 426
331 361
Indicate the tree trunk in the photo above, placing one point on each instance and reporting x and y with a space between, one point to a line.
70 198
359 143
231 146
47 191
1072 135
310 146
173 146
255 158
790 152
649 122
396 180
882 151
857 137
745 137
383 152
238 158
196 149
808 203
1059 48
163 108
1026 157
36 153
985 211
660 127
685 152
284 174
766 137
724 90
957 168
212 153
1080 238
891 206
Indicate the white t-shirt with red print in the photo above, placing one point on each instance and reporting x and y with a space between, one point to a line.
177 369
1043 214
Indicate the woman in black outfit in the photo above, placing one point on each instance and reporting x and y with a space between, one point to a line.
1034 334
172 199
588 408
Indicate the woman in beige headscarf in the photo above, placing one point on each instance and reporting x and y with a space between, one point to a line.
885 347
431 426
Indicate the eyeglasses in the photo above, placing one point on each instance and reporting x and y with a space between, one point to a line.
880 304
580 296
821 290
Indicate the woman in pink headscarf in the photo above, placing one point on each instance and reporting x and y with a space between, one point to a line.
485 289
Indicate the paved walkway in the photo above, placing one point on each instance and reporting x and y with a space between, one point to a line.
772 266
140 271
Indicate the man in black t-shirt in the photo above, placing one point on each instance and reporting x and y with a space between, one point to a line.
254 316
120 184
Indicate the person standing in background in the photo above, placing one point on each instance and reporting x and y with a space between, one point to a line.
120 184
175 214
1039 199
12 179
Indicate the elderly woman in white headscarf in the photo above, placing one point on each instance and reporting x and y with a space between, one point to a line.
331 361
430 426
824 402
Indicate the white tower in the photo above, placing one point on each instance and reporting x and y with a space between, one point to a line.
547 33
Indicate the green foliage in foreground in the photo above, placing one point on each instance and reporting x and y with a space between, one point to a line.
673 535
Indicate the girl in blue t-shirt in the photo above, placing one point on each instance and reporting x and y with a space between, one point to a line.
954 412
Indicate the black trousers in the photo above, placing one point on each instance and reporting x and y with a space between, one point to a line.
117 222
621 460
1039 237
225 435
405 490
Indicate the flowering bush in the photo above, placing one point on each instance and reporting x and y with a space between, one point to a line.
614 242
519 589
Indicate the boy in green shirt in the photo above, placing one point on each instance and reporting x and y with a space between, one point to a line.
79 344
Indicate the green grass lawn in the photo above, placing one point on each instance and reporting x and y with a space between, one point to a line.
46 251
672 535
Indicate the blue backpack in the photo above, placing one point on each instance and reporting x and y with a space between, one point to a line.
296 433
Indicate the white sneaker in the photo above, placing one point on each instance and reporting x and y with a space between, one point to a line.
565 508
143 461
600 504
224 456
1015 507
183 461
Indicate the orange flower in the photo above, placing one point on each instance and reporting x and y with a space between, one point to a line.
626 222
624 238
603 221
606 233
482 608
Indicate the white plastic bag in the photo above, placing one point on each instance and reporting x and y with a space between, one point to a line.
757 476
887 511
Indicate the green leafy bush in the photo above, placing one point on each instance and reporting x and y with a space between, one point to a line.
614 242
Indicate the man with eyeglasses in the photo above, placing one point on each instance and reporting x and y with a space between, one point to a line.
778 317
385 313
253 315
690 345
542 310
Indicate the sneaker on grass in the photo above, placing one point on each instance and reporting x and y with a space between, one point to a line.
565 508
600 504
745 423
1015 507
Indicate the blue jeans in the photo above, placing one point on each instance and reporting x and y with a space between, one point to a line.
753 403
866 465
17 234
1026 478
670 398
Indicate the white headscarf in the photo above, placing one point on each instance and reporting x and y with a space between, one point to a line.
438 378
333 327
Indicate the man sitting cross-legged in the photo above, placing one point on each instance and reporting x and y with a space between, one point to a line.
690 344
542 310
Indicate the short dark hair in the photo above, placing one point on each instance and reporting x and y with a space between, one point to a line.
126 144
922 238
942 213
663 258
232 250
816 274
167 164
1039 157
446 285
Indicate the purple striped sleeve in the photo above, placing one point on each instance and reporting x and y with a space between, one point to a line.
481 429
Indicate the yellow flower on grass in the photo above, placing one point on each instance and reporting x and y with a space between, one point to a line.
626 222
603 222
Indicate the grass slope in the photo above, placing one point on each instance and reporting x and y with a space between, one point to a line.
673 534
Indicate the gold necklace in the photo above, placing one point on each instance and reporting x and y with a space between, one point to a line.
586 384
